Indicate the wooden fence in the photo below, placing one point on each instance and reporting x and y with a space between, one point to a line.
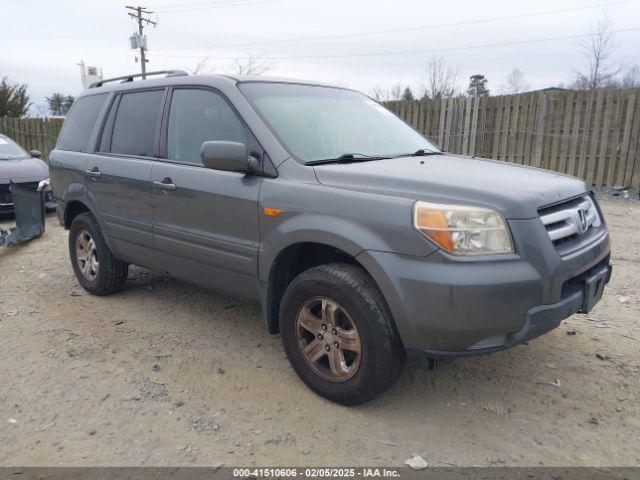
592 135
33 133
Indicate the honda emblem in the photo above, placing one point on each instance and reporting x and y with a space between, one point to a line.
581 221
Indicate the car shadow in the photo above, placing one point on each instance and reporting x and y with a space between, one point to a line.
477 377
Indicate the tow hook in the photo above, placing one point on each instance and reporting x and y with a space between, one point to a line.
433 362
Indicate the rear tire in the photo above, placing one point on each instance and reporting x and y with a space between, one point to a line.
339 334
97 270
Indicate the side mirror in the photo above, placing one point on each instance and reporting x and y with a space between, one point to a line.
228 157
36 153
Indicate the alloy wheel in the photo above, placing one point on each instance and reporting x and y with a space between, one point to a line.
87 255
328 339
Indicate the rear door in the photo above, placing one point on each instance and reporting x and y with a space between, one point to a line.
119 174
206 221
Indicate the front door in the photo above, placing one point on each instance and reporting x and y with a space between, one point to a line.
205 221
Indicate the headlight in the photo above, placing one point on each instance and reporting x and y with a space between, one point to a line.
44 184
463 230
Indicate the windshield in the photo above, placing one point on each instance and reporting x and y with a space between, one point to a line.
318 123
9 150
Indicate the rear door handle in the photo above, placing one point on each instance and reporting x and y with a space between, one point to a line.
165 184
93 173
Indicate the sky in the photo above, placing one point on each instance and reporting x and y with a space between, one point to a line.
372 43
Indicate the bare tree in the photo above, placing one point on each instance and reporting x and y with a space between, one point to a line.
202 67
631 77
514 83
251 65
381 94
598 49
396 92
438 79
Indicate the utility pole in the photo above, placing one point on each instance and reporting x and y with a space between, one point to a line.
138 14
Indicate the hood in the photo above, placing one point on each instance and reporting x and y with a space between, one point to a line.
514 190
28 170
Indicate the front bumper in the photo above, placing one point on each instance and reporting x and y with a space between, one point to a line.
544 318
451 307
540 319
6 200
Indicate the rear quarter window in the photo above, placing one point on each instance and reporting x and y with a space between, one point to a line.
80 123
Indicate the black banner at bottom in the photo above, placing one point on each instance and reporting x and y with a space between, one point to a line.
214 473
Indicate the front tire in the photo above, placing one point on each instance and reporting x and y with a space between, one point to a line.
97 270
339 335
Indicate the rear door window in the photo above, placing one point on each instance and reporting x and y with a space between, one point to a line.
198 116
80 123
134 129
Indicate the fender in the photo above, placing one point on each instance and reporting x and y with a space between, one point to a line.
346 219
340 233
77 192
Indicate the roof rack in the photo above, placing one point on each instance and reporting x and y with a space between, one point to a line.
129 78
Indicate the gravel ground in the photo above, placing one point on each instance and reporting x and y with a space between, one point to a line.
166 373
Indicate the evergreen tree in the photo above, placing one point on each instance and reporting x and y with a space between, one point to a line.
407 94
59 104
55 103
68 101
14 101
478 86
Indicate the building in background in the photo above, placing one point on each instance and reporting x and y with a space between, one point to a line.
89 75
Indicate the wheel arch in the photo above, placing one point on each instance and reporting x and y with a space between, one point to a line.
77 199
290 262
71 210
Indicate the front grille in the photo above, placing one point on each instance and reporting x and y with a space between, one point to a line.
5 196
570 223
29 185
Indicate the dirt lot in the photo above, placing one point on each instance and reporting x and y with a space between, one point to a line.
170 374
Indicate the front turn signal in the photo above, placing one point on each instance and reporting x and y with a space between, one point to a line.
272 212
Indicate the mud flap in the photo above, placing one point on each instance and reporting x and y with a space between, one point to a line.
29 209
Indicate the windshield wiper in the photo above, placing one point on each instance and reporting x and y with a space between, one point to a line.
347 158
423 152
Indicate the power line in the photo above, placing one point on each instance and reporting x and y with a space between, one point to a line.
197 4
410 52
404 29
141 40
208 5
